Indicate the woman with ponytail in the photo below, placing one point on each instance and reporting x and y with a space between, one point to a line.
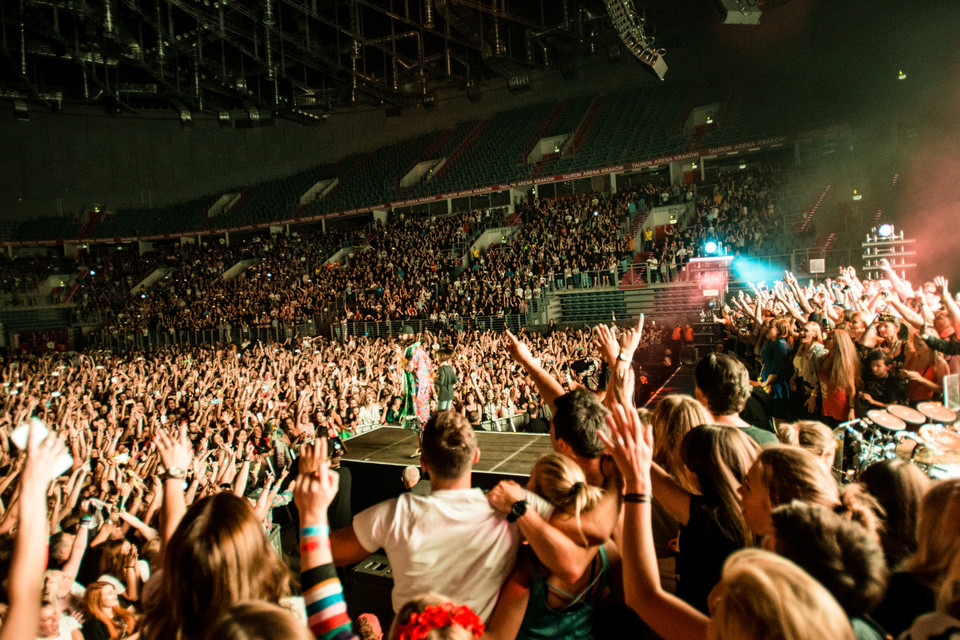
535 604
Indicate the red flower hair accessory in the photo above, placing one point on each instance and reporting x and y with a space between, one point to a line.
438 617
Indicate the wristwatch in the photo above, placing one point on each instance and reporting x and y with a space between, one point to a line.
517 510
173 473
622 358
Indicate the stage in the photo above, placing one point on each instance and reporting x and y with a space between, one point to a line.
501 453
377 458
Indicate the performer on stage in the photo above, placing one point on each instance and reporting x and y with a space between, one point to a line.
416 383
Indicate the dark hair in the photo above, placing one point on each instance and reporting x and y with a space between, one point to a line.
444 354
448 445
879 354
578 418
111 558
839 553
899 487
721 456
724 383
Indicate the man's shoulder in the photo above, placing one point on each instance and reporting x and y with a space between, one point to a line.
760 436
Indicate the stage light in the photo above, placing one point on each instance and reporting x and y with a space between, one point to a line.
857 195
885 230
901 75
92 272
749 270
710 247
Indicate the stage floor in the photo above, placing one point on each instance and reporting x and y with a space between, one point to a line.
501 453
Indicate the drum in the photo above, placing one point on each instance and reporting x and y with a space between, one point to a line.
910 416
937 413
884 420
936 451
942 438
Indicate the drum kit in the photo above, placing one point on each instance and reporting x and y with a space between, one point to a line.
928 436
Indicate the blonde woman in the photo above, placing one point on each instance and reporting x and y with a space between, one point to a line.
535 604
815 437
946 618
760 595
839 377
672 418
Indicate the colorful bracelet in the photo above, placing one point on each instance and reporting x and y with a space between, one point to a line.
636 497
313 545
315 530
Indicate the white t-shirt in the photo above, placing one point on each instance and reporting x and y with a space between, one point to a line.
451 542
67 626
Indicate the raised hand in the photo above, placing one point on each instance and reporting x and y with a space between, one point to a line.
630 339
631 446
174 454
518 350
606 342
941 284
41 458
314 491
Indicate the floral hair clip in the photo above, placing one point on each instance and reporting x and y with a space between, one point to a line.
438 617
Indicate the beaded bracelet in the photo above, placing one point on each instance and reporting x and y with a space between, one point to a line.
636 497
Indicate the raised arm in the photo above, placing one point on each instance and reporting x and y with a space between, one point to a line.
176 456
25 587
548 388
631 445
322 591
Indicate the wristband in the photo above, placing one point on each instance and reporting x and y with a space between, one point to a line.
315 530
313 545
641 498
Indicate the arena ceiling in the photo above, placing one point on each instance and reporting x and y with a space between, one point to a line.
299 58
304 59
298 55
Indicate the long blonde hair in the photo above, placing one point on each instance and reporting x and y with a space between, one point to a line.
841 366
672 418
811 435
563 484
762 595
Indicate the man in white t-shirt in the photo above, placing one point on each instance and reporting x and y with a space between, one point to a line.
451 542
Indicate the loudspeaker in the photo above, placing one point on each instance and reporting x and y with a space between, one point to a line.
367 588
